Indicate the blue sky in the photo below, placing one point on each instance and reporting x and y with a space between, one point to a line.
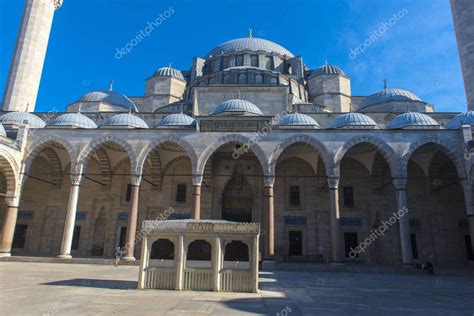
417 53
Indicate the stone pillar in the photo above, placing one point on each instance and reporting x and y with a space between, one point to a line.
403 221
463 17
197 181
132 218
216 264
254 263
270 217
143 263
70 216
180 260
334 220
469 202
8 228
28 58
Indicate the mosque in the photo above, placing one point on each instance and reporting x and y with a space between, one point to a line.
248 134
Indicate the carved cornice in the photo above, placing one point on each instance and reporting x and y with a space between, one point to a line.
200 226
333 183
269 180
76 178
197 179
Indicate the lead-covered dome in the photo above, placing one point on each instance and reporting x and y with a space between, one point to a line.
125 120
21 119
76 120
111 97
466 118
412 120
169 72
327 70
298 119
387 95
250 44
237 107
353 120
177 119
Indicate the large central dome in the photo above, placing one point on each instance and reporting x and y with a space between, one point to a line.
250 44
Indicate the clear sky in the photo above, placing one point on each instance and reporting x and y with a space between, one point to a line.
418 52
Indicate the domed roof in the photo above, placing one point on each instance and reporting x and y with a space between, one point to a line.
22 118
386 95
237 105
75 120
354 120
177 119
112 97
169 72
466 118
125 120
249 44
3 132
297 119
327 70
412 119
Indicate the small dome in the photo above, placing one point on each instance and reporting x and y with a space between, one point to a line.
353 120
327 70
466 118
3 132
297 119
125 120
110 97
22 118
169 72
412 119
250 44
387 95
177 119
75 120
237 106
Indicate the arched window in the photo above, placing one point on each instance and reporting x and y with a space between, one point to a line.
242 78
226 79
236 251
199 250
162 249
258 79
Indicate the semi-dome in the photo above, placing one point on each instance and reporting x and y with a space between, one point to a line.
386 95
354 120
126 120
297 119
327 70
74 120
22 118
237 106
177 119
250 44
111 97
466 118
169 72
3 132
412 119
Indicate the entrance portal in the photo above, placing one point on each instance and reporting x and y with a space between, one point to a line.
237 198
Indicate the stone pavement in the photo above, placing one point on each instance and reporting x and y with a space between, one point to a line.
73 289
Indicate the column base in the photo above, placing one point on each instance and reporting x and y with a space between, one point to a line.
129 258
65 257
5 254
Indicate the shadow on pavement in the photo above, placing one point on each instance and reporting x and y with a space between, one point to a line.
97 283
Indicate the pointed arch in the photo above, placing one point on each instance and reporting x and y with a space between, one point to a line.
10 172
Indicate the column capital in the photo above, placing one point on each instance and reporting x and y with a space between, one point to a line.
197 179
13 201
333 182
136 179
400 183
57 3
76 178
269 180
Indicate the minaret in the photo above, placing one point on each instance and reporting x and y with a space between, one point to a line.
463 16
27 63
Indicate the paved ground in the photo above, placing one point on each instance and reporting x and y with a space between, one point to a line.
72 289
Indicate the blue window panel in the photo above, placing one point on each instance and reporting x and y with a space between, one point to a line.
81 216
25 214
295 220
351 222
122 216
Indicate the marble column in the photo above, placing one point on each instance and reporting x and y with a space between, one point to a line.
216 264
9 224
68 232
334 220
469 202
133 218
270 217
180 259
254 267
197 181
143 263
400 184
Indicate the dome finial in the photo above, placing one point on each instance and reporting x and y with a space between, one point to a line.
326 62
111 85
250 33
385 84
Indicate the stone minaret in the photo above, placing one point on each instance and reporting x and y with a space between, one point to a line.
27 63
463 16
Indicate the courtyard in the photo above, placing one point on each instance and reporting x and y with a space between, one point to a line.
70 289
